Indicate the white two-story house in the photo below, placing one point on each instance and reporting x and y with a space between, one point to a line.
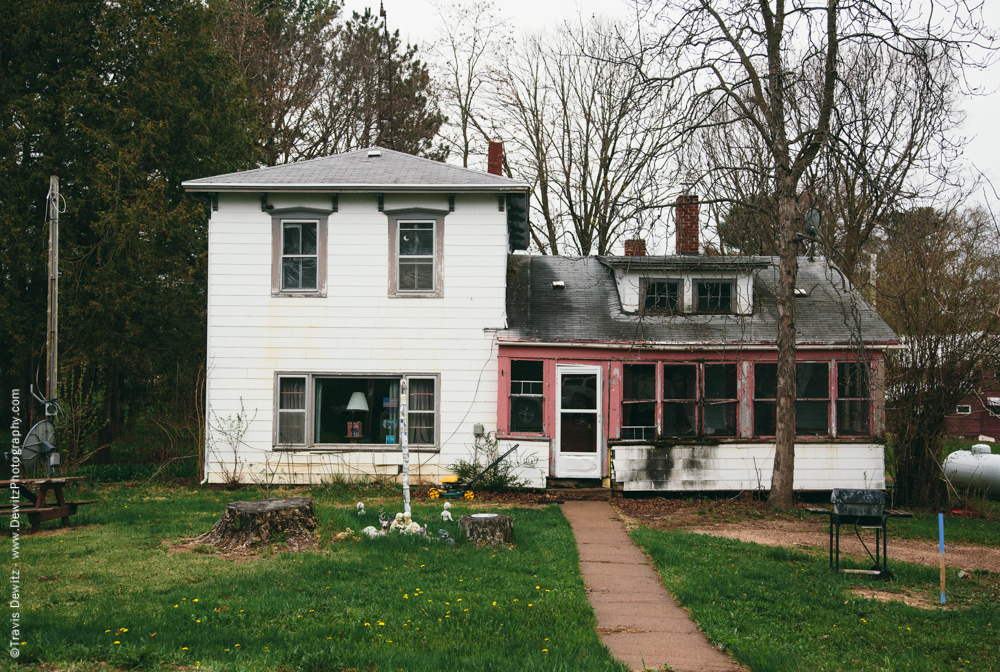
333 280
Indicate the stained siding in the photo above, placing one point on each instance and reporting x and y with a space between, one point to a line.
747 466
357 328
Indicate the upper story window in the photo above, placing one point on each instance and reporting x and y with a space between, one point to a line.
416 253
416 257
298 252
661 296
526 396
714 296
299 256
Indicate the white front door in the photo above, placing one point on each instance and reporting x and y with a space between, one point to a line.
579 438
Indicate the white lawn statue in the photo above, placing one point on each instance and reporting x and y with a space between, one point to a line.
446 516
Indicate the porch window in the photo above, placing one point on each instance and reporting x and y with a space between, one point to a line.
812 399
720 400
526 396
680 388
639 402
291 410
853 399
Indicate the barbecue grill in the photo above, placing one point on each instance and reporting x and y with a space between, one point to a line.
864 509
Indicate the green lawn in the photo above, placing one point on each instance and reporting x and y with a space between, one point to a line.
108 590
781 610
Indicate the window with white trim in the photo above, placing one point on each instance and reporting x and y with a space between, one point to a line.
661 296
416 253
963 409
355 410
714 296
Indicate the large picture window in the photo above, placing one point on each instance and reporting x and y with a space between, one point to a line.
526 397
321 409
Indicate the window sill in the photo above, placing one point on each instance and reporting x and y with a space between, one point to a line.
300 295
353 448
526 437
416 295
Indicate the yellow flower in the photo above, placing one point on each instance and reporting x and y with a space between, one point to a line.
237 646
124 629
175 606
537 587
198 621
107 631
545 650
195 599
184 648
117 642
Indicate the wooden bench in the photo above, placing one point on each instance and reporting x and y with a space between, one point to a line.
36 507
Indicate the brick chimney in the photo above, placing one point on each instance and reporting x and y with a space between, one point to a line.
494 160
635 248
687 224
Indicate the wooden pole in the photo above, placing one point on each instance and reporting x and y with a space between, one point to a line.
52 340
941 539
404 441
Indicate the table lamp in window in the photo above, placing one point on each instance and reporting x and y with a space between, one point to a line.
357 403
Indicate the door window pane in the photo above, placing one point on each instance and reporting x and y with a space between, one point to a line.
578 432
579 391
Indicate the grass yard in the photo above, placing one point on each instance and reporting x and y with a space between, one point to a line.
109 591
777 609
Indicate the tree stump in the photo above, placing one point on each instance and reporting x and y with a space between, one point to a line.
488 528
248 525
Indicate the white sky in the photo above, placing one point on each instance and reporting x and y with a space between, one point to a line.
417 21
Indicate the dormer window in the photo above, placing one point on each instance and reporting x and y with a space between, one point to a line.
662 296
714 296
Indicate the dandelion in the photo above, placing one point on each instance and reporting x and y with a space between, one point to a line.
537 587
124 629
195 599
107 631
494 604
406 597
367 624
529 604
175 606
184 648
237 646
117 642
197 621
545 650
381 623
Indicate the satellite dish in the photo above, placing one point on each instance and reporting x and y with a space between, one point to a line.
38 444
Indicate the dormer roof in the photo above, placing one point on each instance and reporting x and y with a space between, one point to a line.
374 169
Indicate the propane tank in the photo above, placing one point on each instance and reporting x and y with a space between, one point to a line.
977 470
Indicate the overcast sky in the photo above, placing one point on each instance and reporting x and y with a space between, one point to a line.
417 21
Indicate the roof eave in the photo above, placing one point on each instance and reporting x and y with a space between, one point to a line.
198 187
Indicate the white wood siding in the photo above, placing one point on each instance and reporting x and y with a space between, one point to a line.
357 328
747 466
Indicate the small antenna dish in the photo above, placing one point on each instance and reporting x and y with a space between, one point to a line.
39 445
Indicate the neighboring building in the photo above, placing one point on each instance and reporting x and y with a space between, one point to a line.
659 373
334 280
978 415
331 281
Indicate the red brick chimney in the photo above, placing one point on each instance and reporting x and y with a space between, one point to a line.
494 160
687 224
635 248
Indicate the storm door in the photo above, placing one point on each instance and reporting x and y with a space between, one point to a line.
579 436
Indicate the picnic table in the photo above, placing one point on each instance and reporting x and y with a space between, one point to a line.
36 507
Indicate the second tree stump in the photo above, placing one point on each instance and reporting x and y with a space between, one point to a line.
488 528
248 525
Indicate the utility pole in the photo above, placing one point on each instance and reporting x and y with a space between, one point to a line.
52 338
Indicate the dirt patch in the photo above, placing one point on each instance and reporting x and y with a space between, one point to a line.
751 521
911 600
620 630
196 547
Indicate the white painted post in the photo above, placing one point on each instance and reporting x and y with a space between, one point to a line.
404 441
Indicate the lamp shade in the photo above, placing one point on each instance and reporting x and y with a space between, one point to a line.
357 402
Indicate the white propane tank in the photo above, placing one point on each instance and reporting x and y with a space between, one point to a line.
975 470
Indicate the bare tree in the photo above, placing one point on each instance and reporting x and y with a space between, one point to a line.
590 134
472 40
937 287
773 66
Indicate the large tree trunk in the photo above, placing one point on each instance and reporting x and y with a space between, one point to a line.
248 525
783 474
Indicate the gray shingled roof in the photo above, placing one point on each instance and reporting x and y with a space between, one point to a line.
589 310
361 170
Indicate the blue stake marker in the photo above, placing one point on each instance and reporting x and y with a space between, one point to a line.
941 539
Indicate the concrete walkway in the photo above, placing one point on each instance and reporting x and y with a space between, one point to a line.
636 617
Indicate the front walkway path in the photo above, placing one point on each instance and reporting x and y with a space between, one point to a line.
636 617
